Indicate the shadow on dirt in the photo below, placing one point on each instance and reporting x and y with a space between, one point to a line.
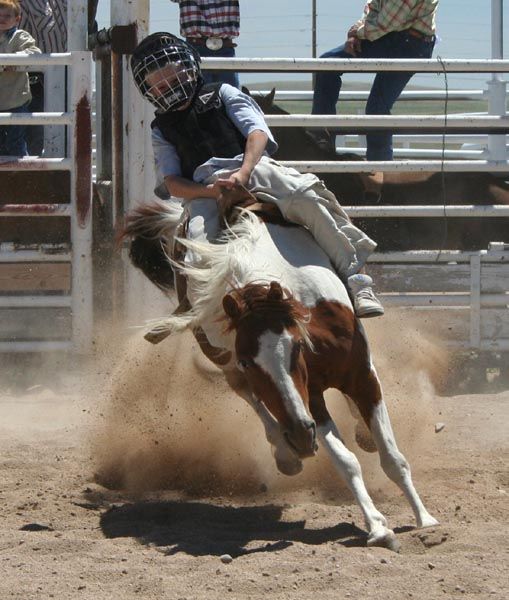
202 529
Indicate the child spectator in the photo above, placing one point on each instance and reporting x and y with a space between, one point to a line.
46 22
15 93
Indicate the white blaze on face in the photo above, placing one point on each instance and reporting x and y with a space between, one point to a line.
274 357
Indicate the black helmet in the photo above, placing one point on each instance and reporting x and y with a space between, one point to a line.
160 50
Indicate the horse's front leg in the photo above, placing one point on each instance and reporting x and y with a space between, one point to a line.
286 459
350 470
370 402
395 464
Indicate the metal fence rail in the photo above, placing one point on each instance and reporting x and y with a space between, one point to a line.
496 124
406 95
356 65
458 166
480 291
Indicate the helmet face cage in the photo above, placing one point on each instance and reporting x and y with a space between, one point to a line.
167 74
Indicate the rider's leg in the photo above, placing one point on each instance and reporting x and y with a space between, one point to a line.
346 245
305 200
203 226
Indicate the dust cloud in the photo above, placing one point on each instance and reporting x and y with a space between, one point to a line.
169 421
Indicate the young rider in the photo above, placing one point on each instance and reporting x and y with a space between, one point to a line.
210 137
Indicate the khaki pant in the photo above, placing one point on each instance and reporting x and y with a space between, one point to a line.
302 199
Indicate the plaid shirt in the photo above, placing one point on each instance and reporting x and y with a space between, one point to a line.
209 18
383 16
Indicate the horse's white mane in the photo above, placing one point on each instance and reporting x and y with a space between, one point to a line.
223 265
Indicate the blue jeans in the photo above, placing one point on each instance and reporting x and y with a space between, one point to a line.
12 137
386 87
230 77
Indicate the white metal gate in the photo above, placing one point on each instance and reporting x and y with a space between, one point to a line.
46 289
464 292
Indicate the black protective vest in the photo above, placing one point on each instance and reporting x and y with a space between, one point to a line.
201 131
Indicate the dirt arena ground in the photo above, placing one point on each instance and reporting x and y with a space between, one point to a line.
131 476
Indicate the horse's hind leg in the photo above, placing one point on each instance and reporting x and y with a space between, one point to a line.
395 465
350 470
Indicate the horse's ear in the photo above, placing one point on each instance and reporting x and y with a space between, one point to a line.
244 90
231 307
270 97
275 291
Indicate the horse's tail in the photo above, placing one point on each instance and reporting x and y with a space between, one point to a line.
151 228
154 220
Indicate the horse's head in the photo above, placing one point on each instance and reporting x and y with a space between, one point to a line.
271 343
266 103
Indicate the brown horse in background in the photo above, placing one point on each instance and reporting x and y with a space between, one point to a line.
403 189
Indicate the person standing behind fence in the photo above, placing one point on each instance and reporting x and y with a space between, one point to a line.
211 26
15 93
46 21
388 29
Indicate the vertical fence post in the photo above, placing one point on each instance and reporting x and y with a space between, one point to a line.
475 301
496 85
80 147
137 154
77 25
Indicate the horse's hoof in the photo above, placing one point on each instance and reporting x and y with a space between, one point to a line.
289 468
385 539
288 465
157 334
427 521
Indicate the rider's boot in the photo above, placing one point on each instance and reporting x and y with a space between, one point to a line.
365 303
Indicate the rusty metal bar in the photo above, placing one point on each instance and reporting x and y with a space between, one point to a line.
12 163
80 146
35 210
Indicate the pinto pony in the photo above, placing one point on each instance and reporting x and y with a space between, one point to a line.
266 297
